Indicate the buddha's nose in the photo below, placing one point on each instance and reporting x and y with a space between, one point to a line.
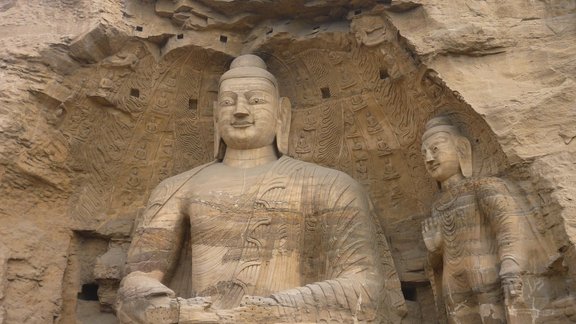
241 110
429 157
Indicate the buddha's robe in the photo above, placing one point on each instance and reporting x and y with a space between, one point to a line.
482 223
303 234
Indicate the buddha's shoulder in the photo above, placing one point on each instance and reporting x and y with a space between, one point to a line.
173 183
489 186
288 165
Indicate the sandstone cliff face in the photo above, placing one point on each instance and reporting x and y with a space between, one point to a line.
36 175
100 100
513 63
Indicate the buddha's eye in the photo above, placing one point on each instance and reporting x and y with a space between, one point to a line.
226 102
256 100
435 149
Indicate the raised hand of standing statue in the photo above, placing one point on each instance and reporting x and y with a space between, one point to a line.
432 234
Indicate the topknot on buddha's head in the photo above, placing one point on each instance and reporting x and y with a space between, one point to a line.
248 60
249 66
439 124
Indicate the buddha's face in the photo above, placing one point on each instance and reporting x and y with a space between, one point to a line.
441 156
246 112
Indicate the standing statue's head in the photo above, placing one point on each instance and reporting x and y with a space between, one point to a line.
446 152
249 112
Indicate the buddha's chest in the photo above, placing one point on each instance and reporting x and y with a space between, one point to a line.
460 215
465 229
243 221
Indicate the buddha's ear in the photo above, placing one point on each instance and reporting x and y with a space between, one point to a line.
283 125
464 155
219 146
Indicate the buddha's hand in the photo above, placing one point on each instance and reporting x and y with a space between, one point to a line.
257 309
138 284
199 310
511 280
432 234
145 300
258 301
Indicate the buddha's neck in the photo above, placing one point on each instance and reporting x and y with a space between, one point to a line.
249 158
452 181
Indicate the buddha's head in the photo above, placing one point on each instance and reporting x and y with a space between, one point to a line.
446 152
249 112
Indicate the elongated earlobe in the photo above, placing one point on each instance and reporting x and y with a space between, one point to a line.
219 146
465 156
283 125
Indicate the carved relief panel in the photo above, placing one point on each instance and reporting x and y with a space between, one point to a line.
134 123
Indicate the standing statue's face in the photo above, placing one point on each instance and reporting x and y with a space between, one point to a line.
441 156
246 112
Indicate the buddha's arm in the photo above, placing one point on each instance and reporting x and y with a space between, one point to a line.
506 217
142 298
353 281
158 236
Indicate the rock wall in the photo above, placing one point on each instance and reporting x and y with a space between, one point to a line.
513 63
100 100
37 179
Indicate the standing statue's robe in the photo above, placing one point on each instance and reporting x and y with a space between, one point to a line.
482 222
294 231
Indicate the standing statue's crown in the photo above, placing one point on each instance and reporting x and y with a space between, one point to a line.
439 124
246 66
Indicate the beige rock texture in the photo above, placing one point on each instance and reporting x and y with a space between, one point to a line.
101 100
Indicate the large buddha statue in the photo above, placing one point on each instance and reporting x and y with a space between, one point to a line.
265 238
479 235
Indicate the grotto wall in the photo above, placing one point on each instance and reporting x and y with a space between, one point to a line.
101 100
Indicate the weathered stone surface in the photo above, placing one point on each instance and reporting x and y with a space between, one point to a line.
87 130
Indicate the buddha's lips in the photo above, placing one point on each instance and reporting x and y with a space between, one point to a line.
433 167
242 123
